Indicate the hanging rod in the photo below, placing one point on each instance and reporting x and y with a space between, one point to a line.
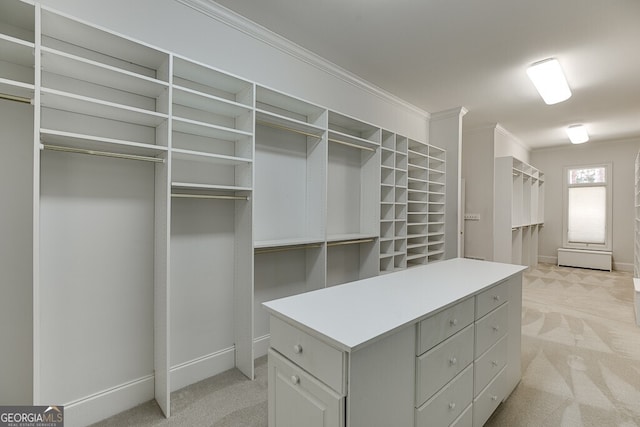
208 196
15 98
285 248
350 242
102 153
275 126
362 147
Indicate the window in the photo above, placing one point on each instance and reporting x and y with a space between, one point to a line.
587 207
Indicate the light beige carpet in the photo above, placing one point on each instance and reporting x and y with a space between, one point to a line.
580 351
580 361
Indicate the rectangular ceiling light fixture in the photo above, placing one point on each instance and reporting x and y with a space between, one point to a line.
577 134
549 80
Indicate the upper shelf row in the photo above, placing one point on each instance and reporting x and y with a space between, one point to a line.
88 71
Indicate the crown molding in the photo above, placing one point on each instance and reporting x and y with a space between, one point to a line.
457 112
264 35
508 134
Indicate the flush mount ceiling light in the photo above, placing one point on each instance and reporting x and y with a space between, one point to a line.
549 80
577 134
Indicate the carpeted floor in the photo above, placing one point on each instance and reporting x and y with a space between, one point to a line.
580 352
580 361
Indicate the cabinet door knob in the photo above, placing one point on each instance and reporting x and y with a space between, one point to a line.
297 349
453 322
453 361
452 405
494 362
494 397
295 379
496 328
496 298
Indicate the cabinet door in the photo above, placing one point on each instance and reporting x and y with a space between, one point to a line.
298 399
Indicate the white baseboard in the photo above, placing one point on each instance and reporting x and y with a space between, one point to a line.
547 259
109 402
622 266
201 368
261 345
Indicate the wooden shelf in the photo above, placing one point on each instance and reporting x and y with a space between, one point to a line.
208 157
189 186
17 51
288 242
210 103
91 142
194 127
285 123
51 98
79 68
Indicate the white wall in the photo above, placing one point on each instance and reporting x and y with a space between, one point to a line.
480 147
16 254
477 171
622 156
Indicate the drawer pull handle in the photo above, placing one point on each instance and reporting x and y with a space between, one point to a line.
496 328
453 322
494 362
496 298
452 405
297 349
453 361
295 379
494 397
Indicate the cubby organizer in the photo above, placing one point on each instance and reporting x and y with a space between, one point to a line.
393 202
170 199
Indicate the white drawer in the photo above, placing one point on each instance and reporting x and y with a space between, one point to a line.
298 399
439 365
464 420
435 329
489 364
314 356
491 328
489 399
449 403
491 298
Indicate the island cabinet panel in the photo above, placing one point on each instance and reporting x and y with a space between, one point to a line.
436 345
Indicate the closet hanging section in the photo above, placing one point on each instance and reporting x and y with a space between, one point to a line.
102 153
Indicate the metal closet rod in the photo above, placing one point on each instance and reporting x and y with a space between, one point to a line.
102 153
285 248
362 147
275 126
208 196
15 98
350 242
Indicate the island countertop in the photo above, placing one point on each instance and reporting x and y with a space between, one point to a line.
352 315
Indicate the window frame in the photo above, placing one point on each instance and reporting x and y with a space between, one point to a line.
608 184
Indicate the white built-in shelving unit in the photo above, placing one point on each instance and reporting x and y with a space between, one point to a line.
518 211
393 202
170 199
353 199
425 203
211 215
290 200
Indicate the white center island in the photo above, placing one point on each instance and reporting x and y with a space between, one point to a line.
436 345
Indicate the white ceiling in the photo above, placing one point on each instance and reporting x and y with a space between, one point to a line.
440 54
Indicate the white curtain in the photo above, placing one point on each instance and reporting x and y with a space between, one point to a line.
587 214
